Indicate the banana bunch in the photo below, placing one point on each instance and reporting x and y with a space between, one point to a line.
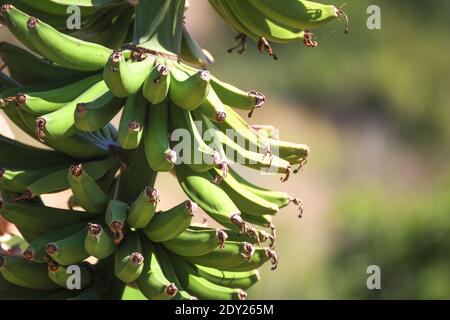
175 117
265 21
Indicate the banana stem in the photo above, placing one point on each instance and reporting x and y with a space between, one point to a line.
159 25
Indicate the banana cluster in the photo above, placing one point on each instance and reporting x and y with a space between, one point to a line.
65 94
266 21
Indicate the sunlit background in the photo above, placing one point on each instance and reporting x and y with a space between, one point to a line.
374 107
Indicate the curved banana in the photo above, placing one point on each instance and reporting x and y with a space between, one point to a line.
143 208
167 225
188 91
160 156
116 214
99 241
132 121
212 107
69 250
128 259
65 50
192 243
60 275
238 280
86 191
156 86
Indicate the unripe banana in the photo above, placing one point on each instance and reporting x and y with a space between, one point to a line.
160 156
25 273
86 191
242 280
36 249
65 50
232 255
128 259
143 208
192 243
156 86
61 123
116 214
212 107
69 250
237 98
200 287
132 122
42 102
60 275
19 180
170 274
152 282
99 241
94 115
260 256
188 91
125 78
167 225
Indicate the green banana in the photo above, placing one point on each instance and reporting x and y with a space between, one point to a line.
57 181
244 199
69 250
192 243
128 258
152 281
212 107
65 50
125 78
293 152
143 208
201 287
158 153
132 122
170 274
60 275
40 103
241 280
40 219
232 255
259 220
211 198
19 180
237 98
61 123
188 91
9 291
94 115
200 157
167 225
116 214
260 256
99 241
36 249
26 274
303 14
156 86
86 191
27 68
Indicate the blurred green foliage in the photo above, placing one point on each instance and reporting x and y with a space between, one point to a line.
407 236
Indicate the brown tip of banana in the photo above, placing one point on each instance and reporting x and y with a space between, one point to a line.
273 258
204 75
242 295
32 23
117 228
171 156
223 166
76 170
24 196
192 207
134 126
264 46
40 126
81 108
137 258
287 175
222 236
28 254
248 252
341 14
6 7
298 203
95 230
20 98
152 194
309 40
171 290
221 116
163 72
51 248
53 266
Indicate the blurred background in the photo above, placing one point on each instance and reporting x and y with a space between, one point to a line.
374 107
